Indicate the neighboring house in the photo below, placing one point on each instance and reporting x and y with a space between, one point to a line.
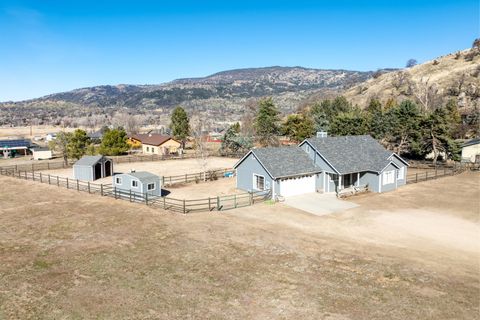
95 136
285 171
153 143
41 153
50 137
322 164
90 168
11 148
355 161
471 151
139 182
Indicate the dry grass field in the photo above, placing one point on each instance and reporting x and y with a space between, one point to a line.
409 254
24 132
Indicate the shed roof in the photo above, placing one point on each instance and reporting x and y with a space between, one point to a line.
17 143
143 175
151 138
88 160
348 154
471 142
285 161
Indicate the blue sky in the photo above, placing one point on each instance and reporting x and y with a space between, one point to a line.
53 46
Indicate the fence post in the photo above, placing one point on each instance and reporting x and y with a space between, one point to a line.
164 204
435 173
32 168
41 178
218 203
88 185
78 186
26 177
115 192
209 204
67 183
250 196
186 178
130 195
146 199
184 211
58 182
48 165
101 189
49 178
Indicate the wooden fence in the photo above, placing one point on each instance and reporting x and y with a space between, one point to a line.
435 172
184 206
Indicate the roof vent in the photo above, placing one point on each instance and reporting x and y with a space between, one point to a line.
322 134
132 170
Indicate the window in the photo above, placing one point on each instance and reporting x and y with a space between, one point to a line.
151 186
118 180
148 149
258 182
388 177
401 173
134 183
153 149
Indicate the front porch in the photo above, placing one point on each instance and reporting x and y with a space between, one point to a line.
338 182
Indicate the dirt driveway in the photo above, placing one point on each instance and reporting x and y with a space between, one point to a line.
408 254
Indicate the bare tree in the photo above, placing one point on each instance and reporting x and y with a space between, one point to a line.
425 92
131 123
248 118
199 128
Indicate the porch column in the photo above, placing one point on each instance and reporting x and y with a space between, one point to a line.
340 182
358 179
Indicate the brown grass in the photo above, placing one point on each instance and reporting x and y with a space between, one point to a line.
400 255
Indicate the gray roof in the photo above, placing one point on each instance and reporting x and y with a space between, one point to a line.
471 142
88 160
285 161
348 154
143 175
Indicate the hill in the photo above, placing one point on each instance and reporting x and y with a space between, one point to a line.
222 95
453 76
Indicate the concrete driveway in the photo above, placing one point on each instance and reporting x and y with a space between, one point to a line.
318 204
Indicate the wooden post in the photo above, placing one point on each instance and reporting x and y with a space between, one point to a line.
49 178
33 168
435 173
48 165
26 178
41 178
184 211
250 196
115 192
218 203
164 204
209 204
146 199
67 183
416 177
101 189
58 182
78 186
234 200
130 195
185 177
88 186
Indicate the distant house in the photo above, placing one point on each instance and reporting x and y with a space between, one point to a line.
321 164
153 143
41 153
50 137
95 136
91 168
141 182
471 151
12 148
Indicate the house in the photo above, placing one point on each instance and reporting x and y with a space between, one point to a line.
90 168
41 153
139 182
471 151
153 143
322 164
50 137
285 171
95 136
348 161
12 148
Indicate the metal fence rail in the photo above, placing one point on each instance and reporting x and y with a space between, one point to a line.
166 203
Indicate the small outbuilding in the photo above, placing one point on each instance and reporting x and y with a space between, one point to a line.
12 148
90 168
471 151
141 182
41 153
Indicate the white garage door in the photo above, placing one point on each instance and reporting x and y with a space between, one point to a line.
295 186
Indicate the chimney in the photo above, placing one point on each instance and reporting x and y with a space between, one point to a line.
322 134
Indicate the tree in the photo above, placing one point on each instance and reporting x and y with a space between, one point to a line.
266 123
454 118
234 141
403 126
77 144
374 115
60 145
435 135
349 123
114 142
476 44
411 63
180 125
202 153
298 127
318 114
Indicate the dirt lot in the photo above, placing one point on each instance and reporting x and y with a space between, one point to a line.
220 187
409 254
161 168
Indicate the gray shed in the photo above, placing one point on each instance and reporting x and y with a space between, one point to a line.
90 168
139 182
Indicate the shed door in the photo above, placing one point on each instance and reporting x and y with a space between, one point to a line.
296 186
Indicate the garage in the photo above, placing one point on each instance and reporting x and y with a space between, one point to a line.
297 185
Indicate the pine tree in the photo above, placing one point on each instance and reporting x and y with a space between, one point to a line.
298 127
266 123
318 114
77 144
114 142
180 125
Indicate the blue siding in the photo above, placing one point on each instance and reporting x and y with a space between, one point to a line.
245 171
390 186
400 164
370 179
126 185
83 173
